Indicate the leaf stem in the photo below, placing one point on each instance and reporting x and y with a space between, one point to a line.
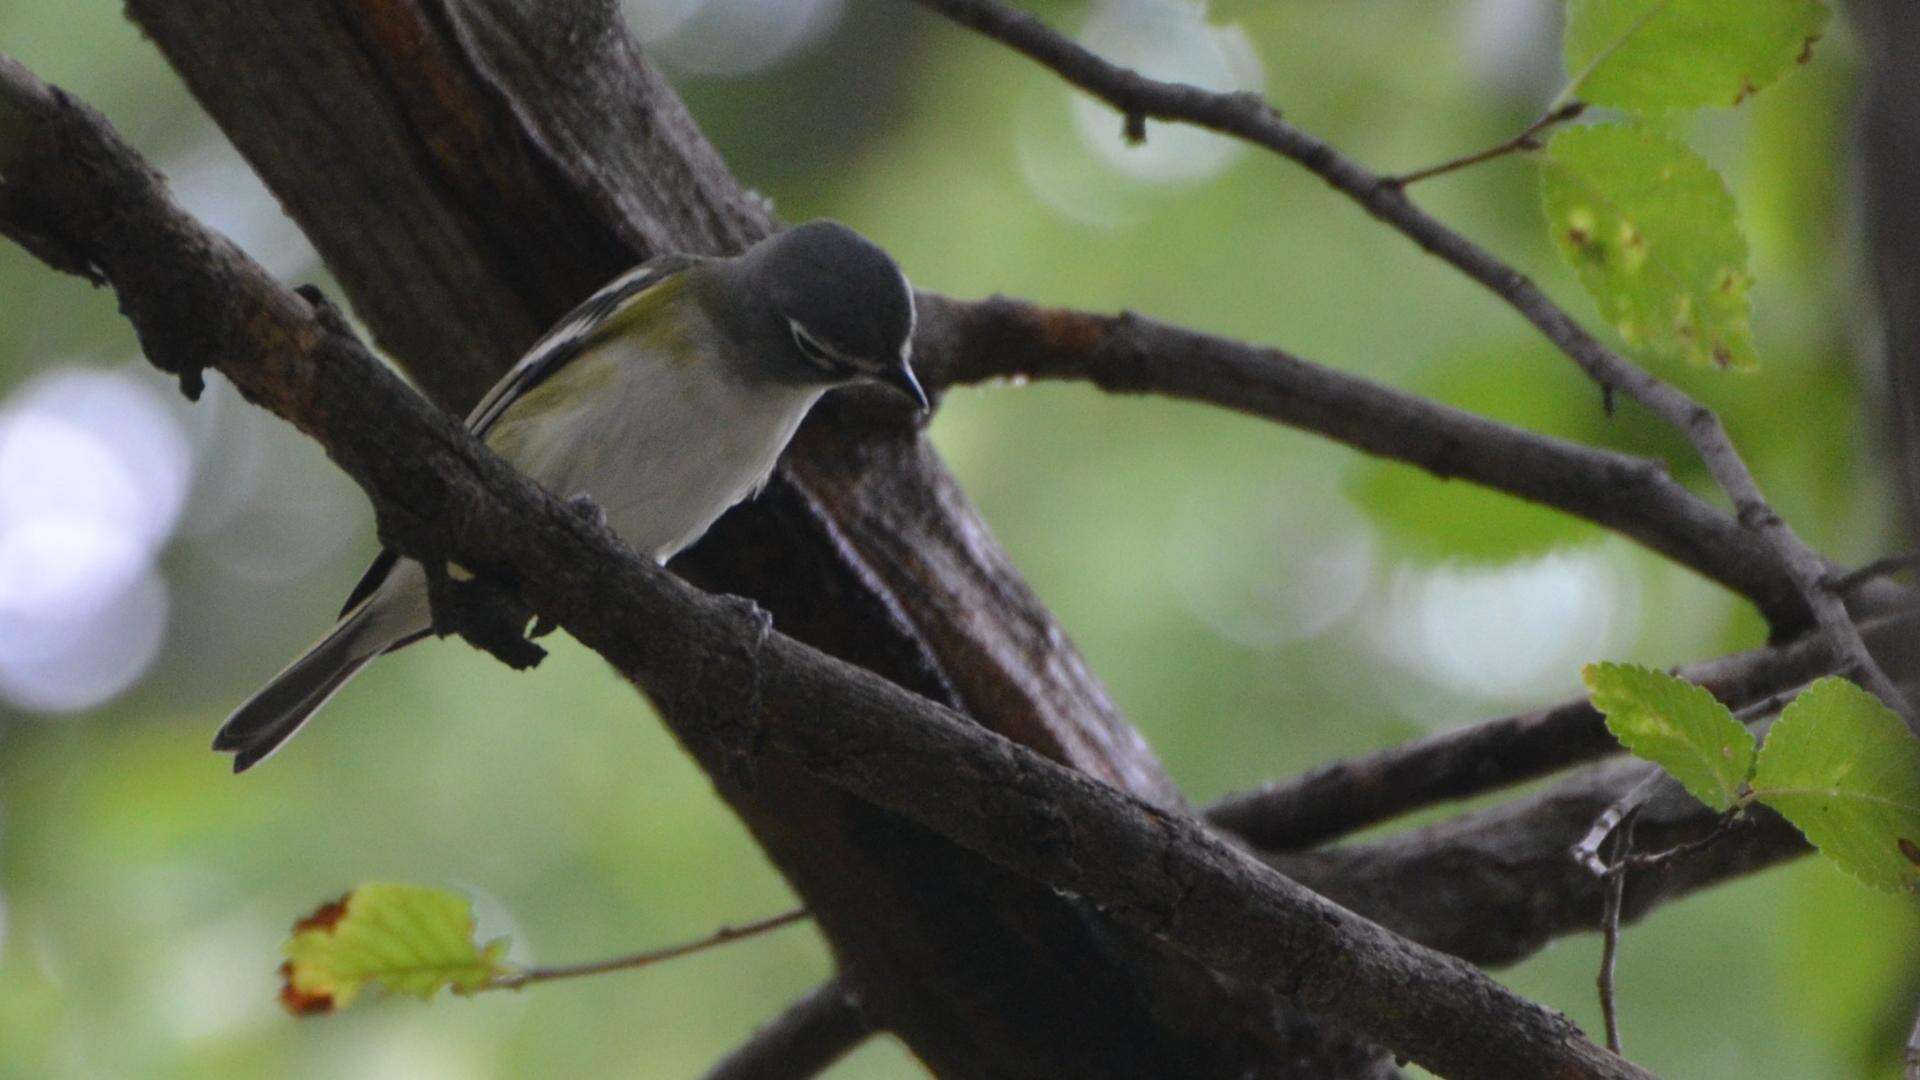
646 959
1851 581
1526 140
1653 860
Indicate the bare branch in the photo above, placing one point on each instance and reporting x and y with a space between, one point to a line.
1496 886
806 1038
1249 117
737 691
648 958
470 168
1343 797
1851 581
965 342
1616 887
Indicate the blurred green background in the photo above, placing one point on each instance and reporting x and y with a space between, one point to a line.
1258 600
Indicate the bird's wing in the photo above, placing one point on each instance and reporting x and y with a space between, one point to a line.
596 316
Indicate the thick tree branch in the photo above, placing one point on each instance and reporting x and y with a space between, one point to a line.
803 1041
1343 797
739 694
1249 117
1497 886
491 161
965 342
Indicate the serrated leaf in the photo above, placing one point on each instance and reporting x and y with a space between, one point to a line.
1846 771
408 939
1652 231
1654 55
1676 725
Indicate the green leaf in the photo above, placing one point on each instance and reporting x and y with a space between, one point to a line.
1844 768
1676 725
1653 55
407 938
1651 230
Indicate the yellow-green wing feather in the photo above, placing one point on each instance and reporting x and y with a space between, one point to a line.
612 310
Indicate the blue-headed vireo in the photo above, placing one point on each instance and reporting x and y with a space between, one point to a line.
665 398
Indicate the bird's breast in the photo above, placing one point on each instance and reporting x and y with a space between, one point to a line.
664 446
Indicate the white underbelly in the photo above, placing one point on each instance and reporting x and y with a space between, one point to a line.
663 448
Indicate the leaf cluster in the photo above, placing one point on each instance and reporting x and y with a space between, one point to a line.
1645 222
1837 763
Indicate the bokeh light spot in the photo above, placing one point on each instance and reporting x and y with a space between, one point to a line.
94 471
1169 40
730 38
1269 567
1514 633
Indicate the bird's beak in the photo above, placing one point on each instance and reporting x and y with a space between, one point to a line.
903 380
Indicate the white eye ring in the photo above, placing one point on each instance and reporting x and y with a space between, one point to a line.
817 354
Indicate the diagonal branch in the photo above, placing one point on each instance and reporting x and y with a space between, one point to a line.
1346 796
1249 117
803 1041
736 690
1497 886
966 342
468 169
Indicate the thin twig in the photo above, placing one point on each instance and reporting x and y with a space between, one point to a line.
1847 583
1587 851
646 959
1250 117
1655 860
1526 140
1610 924
807 1037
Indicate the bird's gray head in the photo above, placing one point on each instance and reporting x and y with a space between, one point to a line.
845 311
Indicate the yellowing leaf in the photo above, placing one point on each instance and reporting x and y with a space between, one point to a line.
1846 771
407 938
1651 230
1652 55
1676 725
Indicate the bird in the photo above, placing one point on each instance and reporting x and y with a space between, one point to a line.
664 399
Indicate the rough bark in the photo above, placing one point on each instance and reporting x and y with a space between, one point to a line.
997 338
1889 148
743 697
1497 886
804 1040
468 171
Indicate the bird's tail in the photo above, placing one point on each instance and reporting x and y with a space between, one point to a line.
270 717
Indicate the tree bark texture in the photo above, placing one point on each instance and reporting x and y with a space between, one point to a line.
1889 148
468 171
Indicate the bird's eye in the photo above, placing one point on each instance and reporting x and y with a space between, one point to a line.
816 353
